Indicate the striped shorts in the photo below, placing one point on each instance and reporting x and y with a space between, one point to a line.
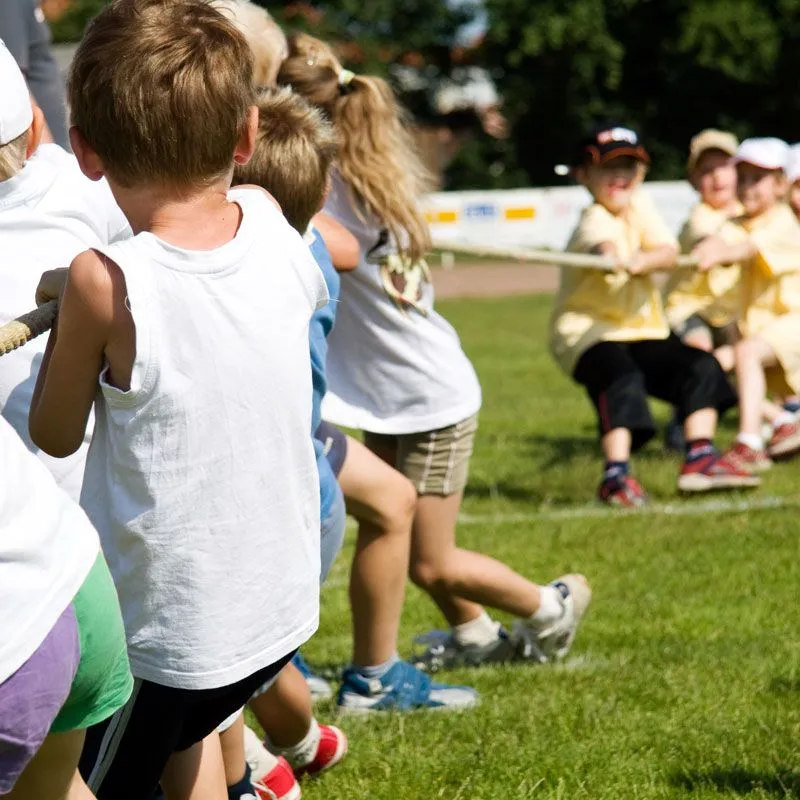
436 462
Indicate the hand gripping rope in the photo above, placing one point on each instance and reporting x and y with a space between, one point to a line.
21 330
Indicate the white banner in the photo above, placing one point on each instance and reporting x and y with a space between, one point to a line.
534 217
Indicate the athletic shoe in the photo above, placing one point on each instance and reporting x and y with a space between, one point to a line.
402 688
554 642
785 441
622 491
332 748
442 651
747 458
320 688
713 471
278 784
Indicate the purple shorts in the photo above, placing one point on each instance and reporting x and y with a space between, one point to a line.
31 698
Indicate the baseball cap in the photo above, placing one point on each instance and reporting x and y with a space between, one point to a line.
607 141
793 166
710 139
767 153
16 114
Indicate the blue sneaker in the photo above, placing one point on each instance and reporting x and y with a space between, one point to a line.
402 688
320 688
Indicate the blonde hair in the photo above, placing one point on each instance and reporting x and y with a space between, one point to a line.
161 90
263 34
294 152
377 157
12 156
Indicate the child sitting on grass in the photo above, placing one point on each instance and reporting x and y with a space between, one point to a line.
192 336
768 356
703 306
609 331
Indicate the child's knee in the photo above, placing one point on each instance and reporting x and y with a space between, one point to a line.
427 575
398 505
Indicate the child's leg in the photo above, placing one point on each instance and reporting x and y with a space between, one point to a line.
197 773
383 502
284 710
753 355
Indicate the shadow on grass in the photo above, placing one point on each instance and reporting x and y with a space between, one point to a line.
784 685
783 782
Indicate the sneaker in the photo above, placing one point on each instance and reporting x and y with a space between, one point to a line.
747 458
442 651
622 491
713 471
278 784
320 688
332 748
785 441
553 643
402 688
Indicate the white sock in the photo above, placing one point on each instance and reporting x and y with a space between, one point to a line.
480 631
752 440
258 758
784 418
551 607
304 751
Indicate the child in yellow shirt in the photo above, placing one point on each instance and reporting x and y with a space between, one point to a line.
609 330
702 306
768 356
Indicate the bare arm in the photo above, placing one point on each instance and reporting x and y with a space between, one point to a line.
713 251
645 261
84 332
341 244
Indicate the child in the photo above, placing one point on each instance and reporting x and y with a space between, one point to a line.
63 665
397 371
193 334
609 331
702 307
793 179
768 356
49 212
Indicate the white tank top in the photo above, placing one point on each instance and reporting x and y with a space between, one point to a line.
201 479
47 547
395 366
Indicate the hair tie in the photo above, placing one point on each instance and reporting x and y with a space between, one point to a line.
345 78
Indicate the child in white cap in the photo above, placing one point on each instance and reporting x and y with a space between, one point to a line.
49 212
768 356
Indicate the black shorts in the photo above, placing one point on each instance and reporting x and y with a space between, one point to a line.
334 443
619 376
124 756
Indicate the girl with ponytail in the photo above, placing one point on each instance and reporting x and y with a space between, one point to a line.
396 371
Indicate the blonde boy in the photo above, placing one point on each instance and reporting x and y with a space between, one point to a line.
701 306
768 356
192 337
610 333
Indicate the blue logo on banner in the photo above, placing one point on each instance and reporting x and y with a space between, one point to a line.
481 211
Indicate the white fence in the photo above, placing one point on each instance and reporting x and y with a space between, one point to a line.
533 217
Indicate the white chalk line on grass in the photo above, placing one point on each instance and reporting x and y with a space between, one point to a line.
720 506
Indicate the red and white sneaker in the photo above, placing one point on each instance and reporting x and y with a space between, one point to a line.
785 441
332 748
622 491
748 458
713 471
279 783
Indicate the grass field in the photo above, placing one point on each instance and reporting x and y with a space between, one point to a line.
685 678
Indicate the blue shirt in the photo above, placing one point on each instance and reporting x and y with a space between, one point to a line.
321 325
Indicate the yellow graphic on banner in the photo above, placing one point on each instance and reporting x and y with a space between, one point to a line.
441 216
521 212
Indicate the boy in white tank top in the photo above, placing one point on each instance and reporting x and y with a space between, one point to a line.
193 336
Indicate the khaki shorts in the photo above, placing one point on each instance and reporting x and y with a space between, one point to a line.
782 336
436 462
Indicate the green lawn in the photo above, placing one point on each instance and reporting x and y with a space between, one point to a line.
685 678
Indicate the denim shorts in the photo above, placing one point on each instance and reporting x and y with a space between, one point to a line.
332 534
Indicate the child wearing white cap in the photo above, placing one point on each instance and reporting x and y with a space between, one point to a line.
768 356
49 212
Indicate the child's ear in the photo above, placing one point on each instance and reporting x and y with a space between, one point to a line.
580 174
246 145
781 185
88 160
328 187
35 131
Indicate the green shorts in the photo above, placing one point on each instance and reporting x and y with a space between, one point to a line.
436 462
103 682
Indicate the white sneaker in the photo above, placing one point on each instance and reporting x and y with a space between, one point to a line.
554 642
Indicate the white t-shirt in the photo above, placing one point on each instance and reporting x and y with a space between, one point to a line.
49 213
47 547
201 479
395 366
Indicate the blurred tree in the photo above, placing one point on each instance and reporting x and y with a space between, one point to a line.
68 27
